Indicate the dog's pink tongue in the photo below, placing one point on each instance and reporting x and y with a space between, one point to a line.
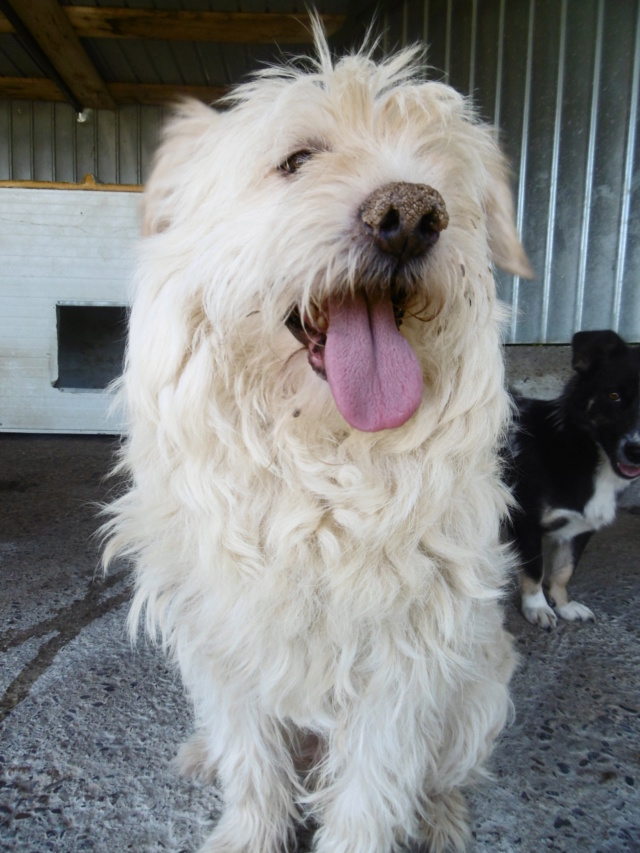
373 373
629 470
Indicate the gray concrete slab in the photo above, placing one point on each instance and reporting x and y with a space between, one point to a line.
89 727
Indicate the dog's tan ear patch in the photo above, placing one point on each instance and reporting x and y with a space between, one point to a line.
506 249
181 140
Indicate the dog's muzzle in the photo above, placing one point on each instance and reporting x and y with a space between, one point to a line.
353 339
628 461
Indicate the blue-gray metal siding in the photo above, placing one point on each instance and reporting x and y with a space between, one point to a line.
45 142
560 80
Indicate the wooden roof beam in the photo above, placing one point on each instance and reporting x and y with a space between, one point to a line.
232 27
48 25
42 89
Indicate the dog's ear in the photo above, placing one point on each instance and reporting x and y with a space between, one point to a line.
175 161
506 249
590 348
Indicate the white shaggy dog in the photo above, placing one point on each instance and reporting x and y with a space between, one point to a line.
315 396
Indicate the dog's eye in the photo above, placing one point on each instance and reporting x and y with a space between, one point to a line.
614 396
294 161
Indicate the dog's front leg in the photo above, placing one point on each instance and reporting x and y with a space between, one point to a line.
565 556
255 770
528 542
373 776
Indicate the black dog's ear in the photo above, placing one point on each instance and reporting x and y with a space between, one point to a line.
589 348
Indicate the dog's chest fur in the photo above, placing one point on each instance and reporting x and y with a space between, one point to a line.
562 523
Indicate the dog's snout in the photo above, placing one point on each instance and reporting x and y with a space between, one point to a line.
404 220
631 451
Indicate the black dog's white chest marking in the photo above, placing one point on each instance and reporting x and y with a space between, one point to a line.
563 524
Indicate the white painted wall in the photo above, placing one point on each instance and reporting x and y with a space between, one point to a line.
57 246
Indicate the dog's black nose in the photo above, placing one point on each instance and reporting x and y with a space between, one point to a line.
631 451
404 220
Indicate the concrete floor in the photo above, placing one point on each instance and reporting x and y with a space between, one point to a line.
89 727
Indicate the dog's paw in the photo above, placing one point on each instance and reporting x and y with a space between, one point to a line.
536 610
446 828
575 612
239 830
192 759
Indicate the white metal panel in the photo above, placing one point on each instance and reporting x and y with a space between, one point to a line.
57 246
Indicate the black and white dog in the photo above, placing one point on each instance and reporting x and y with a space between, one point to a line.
570 459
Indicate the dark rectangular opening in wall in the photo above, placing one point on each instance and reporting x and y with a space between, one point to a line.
91 340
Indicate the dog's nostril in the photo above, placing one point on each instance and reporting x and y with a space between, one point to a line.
427 223
632 452
391 222
428 227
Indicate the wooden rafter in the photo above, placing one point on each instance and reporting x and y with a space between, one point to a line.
48 25
238 27
30 89
57 30
88 184
42 89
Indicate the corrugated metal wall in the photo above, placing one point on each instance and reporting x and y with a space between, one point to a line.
45 142
559 77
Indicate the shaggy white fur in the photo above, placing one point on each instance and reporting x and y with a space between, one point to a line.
330 595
